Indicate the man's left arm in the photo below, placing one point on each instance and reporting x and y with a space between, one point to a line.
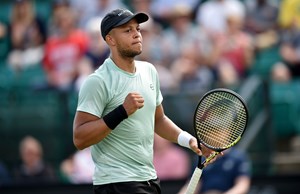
167 129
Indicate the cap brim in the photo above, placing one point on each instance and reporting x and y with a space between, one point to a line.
140 18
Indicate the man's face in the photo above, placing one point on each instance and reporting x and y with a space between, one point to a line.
128 39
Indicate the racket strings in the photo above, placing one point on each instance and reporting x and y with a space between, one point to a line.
220 119
214 139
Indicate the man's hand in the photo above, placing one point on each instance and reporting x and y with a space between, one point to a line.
133 102
203 151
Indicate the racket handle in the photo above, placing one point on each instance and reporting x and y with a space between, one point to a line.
194 181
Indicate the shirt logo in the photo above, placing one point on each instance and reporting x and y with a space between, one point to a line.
151 86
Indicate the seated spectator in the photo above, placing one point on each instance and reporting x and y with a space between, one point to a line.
3 30
56 7
289 15
189 73
141 6
33 169
289 67
79 168
211 15
84 68
27 36
186 64
97 50
233 53
162 10
63 51
230 173
85 11
170 162
181 31
261 22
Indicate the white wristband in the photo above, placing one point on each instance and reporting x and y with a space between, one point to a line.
184 139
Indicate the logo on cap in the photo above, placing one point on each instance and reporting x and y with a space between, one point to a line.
123 11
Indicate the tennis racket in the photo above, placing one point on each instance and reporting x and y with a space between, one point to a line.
220 120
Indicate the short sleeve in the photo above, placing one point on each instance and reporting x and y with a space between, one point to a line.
92 96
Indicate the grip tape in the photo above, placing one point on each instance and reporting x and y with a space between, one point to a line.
194 181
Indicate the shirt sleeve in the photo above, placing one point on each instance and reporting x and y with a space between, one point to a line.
92 96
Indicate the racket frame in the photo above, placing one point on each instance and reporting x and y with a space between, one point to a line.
198 170
196 110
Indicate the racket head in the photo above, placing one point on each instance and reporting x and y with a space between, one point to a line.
220 119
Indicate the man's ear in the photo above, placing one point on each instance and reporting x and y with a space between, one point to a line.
109 39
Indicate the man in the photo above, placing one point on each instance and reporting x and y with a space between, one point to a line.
119 109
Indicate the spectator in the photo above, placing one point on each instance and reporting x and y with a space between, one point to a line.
170 161
289 67
33 169
188 60
141 5
85 11
229 174
27 36
289 15
162 11
182 31
189 73
261 22
63 51
3 30
56 7
84 68
79 168
97 50
211 15
233 53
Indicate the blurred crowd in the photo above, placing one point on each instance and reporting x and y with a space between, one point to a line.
193 44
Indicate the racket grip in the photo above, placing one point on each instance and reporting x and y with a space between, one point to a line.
194 181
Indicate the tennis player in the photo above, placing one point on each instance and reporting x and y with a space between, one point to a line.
120 109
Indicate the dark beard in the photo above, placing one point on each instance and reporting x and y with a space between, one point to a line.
129 53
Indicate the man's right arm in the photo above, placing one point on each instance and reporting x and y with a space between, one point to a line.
88 130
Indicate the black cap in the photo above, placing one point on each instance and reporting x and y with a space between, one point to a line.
119 17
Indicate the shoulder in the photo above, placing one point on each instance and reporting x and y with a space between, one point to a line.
99 78
145 65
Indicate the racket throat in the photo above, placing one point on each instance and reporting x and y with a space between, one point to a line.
201 165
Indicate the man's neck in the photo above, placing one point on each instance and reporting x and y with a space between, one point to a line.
126 64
